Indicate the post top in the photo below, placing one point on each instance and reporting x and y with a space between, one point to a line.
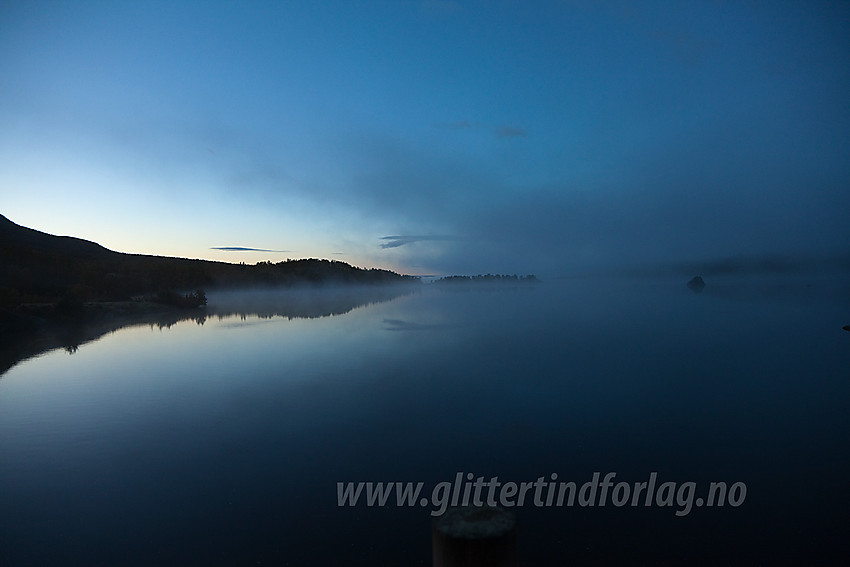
471 522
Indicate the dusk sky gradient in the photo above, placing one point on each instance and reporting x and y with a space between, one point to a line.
431 137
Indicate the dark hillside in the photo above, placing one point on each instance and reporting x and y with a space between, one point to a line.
36 267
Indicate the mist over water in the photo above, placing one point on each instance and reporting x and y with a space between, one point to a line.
222 442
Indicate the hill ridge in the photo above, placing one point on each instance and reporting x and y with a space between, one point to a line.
39 267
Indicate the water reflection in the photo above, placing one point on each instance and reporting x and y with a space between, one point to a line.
400 325
223 444
301 303
97 321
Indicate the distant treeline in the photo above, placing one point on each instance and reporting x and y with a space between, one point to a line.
40 268
487 278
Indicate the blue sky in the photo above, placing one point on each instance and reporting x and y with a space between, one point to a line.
431 136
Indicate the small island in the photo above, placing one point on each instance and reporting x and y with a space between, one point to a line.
487 279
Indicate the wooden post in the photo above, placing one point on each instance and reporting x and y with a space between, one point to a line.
474 537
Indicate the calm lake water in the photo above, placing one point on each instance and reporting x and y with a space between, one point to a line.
222 443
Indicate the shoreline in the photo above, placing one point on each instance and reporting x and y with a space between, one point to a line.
33 329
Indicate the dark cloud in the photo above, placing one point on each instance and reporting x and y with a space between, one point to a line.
510 132
244 249
396 241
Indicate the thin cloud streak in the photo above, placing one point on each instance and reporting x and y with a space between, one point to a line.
396 241
244 249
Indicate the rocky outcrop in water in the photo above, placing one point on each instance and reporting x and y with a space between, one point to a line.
696 284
